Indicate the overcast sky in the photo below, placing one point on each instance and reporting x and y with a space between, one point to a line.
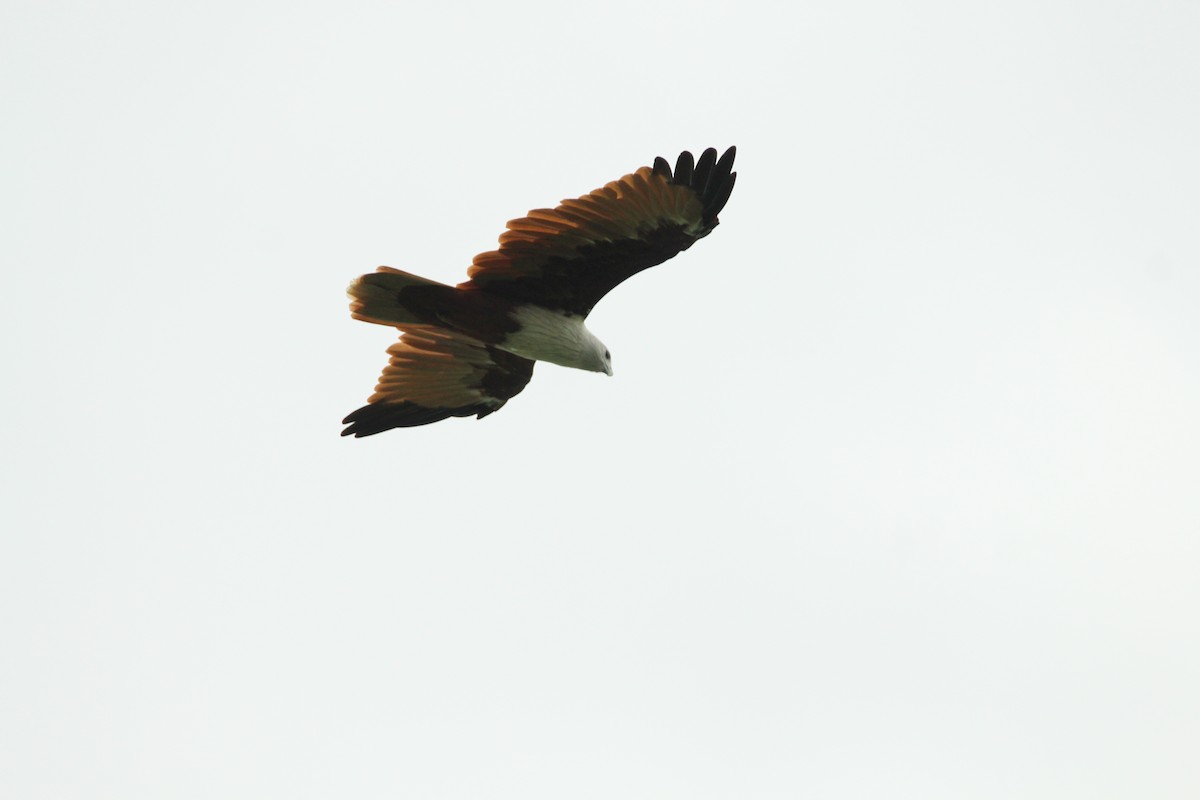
893 493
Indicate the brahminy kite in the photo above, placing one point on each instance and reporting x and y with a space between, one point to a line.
467 349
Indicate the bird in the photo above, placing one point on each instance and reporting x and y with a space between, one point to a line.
466 350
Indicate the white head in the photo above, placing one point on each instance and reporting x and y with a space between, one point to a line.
602 358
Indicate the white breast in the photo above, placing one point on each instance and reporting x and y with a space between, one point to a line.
552 336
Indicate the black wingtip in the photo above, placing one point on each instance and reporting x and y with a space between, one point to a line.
379 417
720 184
710 178
683 169
704 169
714 205
725 164
661 167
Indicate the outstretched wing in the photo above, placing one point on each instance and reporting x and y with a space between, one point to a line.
435 374
569 257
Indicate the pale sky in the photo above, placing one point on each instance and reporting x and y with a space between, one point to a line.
893 493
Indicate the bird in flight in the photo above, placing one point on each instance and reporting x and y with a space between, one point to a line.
466 350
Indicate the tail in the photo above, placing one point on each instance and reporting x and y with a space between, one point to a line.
391 297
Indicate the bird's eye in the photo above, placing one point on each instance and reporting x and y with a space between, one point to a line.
606 355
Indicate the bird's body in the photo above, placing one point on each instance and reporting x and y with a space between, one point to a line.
467 349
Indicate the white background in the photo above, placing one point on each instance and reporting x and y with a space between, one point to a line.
893 494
